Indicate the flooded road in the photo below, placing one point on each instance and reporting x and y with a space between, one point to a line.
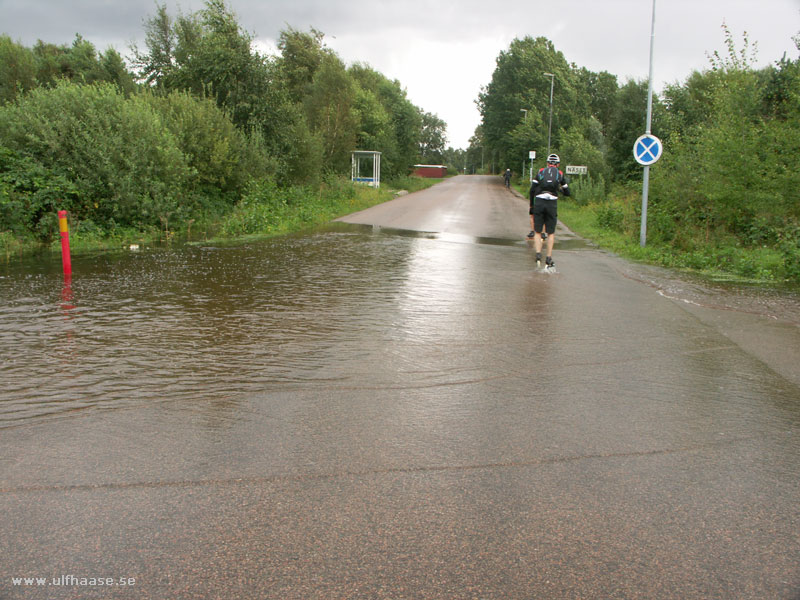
398 406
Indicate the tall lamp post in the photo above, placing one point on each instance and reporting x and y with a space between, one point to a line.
525 118
550 126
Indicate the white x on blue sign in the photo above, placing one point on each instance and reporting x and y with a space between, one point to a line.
647 149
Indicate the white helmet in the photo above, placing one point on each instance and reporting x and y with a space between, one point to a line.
553 159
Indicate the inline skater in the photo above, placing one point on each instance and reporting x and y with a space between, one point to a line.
548 184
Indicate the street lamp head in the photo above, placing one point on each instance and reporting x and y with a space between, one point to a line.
548 75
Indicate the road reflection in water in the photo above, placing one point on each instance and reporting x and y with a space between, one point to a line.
348 306
295 401
341 307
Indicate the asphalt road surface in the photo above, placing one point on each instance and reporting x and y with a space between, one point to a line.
437 419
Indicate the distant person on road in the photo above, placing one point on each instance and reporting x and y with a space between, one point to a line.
545 188
507 177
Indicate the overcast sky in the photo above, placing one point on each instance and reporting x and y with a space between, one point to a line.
443 51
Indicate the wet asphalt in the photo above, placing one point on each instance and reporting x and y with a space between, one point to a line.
476 429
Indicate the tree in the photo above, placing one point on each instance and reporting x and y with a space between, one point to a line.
578 150
209 55
161 38
530 133
432 139
601 89
399 137
330 107
729 171
23 69
301 55
114 70
689 105
102 156
519 84
629 121
782 93
456 159
17 69
376 131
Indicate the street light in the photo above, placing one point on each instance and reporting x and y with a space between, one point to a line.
550 126
525 118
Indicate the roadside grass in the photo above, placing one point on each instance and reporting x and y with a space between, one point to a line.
613 224
265 211
724 262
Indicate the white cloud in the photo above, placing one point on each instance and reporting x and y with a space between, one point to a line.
443 51
440 77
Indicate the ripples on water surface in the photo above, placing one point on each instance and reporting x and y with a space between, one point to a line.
191 322
166 325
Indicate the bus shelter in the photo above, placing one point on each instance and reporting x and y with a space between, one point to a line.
360 161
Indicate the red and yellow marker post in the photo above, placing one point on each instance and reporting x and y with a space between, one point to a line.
64 229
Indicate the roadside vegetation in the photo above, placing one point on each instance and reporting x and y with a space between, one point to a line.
725 196
204 136
199 135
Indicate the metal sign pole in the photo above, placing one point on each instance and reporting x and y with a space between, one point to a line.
646 179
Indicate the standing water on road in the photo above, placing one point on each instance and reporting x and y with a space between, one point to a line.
359 409
210 322
204 323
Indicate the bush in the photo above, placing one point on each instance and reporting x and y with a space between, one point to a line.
260 210
789 246
119 162
212 145
587 190
30 196
611 216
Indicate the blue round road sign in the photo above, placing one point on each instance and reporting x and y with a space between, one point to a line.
647 149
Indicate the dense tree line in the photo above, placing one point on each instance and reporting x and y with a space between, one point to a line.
728 177
197 118
593 117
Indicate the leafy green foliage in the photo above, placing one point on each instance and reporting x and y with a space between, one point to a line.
23 69
211 122
268 209
398 136
30 195
725 193
432 138
330 108
145 161
728 179
214 128
17 69
301 56
213 147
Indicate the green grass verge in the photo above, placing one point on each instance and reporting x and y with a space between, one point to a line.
265 211
613 224
720 260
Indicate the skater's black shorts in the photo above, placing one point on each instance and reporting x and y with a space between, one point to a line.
545 213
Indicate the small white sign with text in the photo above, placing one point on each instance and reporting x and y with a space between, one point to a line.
574 170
